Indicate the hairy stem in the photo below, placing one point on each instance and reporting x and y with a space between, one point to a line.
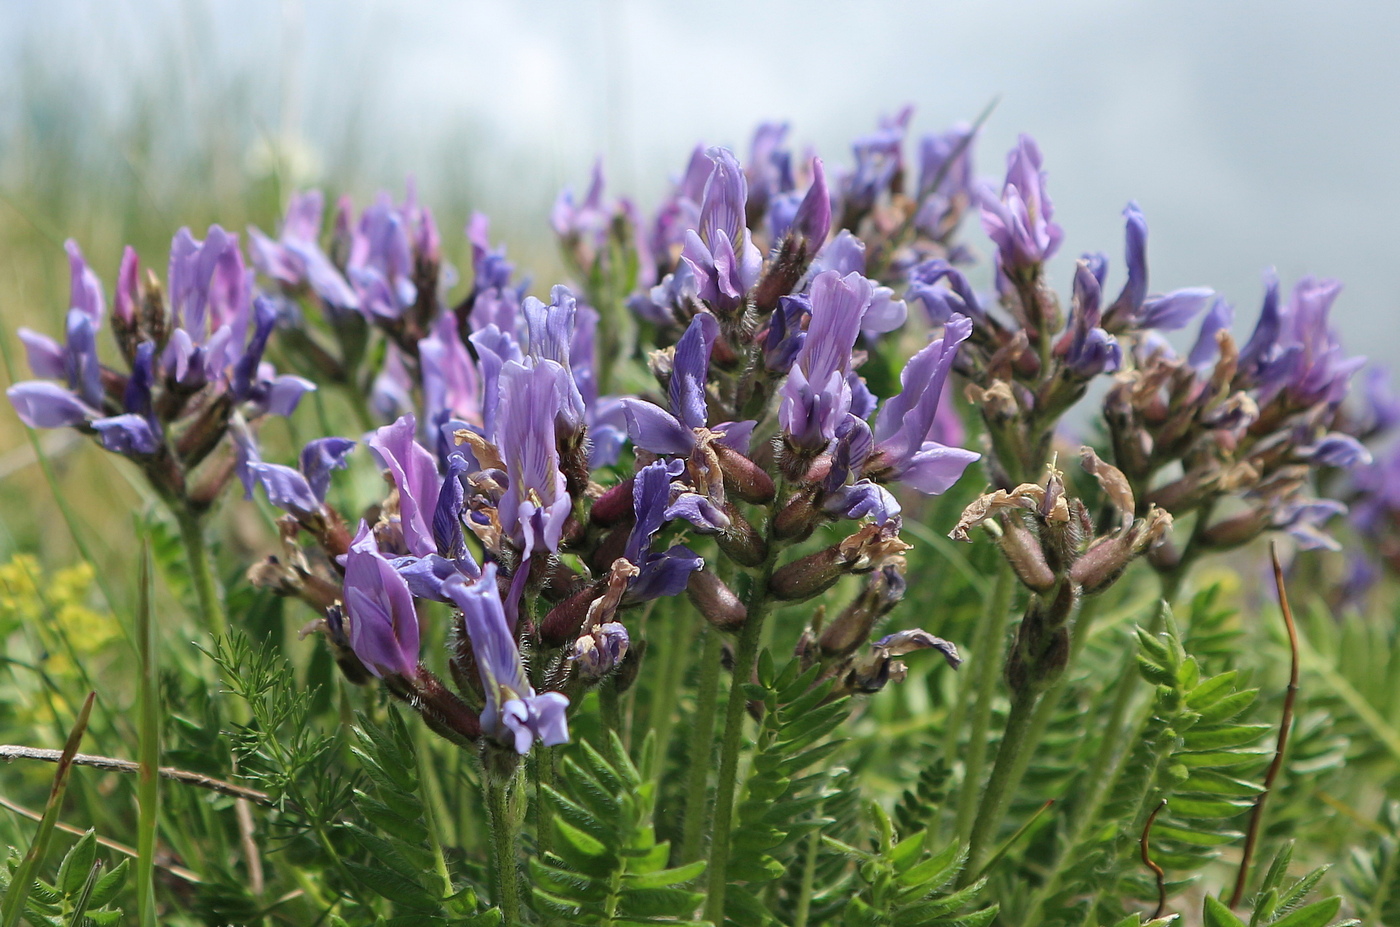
997 795
745 658
701 745
503 840
988 651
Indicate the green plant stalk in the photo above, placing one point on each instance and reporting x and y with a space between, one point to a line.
989 648
701 746
211 603
809 874
12 906
661 716
503 840
148 779
726 783
992 808
433 813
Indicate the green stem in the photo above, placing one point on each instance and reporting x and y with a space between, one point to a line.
988 649
661 717
994 800
701 746
503 840
726 784
433 812
206 587
809 875
148 781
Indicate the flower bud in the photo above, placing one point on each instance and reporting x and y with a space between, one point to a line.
882 592
799 518
809 576
561 623
600 651
740 541
614 505
1022 550
716 601
743 477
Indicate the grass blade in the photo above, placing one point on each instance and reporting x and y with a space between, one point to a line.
148 779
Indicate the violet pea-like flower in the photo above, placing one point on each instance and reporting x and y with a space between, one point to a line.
1087 349
514 715
536 503
296 257
301 490
660 574
903 449
654 429
1020 220
816 396
383 622
414 472
725 261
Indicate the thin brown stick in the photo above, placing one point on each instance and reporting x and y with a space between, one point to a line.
177 871
12 752
1256 817
1146 852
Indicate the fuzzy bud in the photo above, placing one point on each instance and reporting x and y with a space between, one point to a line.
743 477
740 541
716 601
614 505
882 592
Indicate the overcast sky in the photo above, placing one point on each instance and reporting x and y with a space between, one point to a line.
1251 133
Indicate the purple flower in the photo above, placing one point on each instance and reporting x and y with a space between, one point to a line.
808 217
903 448
725 262
770 165
863 497
879 159
1217 319
550 337
298 491
587 221
255 382
1382 405
451 387
661 574
816 396
490 269
41 404
514 715
495 347
380 265
379 607
1336 450
601 650
945 177
1294 351
1303 520
654 429
1378 492
210 302
1020 220
391 394
536 503
1087 349
678 213
414 472
786 332
296 258
943 302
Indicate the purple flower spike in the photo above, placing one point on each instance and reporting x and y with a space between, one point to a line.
1020 219
379 607
903 449
536 504
415 475
816 396
514 715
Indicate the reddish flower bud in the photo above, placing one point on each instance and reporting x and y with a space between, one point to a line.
743 477
716 601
